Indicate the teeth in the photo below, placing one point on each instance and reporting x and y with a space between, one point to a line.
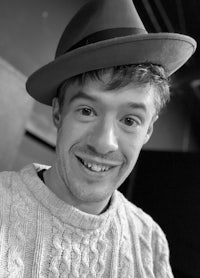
95 167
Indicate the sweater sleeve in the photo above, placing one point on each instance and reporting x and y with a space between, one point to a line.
162 268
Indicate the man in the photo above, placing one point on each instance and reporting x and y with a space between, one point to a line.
106 86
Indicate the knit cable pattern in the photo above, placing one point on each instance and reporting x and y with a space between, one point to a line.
38 241
17 234
77 252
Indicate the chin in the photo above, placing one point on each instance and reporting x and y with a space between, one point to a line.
92 193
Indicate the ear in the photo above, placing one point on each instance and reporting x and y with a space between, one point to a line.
56 114
150 129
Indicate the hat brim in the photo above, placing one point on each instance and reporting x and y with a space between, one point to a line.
169 50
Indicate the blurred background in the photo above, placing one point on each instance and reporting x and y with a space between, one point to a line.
166 180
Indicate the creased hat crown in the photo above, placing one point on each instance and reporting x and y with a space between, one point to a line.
103 34
99 20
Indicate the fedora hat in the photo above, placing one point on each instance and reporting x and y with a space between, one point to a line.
102 34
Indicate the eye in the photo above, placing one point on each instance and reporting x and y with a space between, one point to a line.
130 122
86 111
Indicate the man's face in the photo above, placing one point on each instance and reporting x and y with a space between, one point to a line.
100 135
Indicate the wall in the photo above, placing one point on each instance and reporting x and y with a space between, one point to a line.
30 30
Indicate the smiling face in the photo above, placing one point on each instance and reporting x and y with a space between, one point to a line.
100 135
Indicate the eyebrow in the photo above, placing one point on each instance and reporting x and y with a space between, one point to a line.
137 105
81 94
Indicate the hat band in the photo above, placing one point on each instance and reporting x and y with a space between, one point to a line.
107 34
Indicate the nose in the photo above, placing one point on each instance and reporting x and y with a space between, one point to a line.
104 138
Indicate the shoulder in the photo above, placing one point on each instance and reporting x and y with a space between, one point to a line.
141 219
150 238
12 179
5 180
144 225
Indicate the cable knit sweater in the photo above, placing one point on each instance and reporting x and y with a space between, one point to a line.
42 236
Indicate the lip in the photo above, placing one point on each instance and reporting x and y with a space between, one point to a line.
93 173
96 160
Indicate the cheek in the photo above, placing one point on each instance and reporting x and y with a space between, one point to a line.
71 133
132 153
131 148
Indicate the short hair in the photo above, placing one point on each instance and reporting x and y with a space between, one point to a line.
121 76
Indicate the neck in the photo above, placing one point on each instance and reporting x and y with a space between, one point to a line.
55 183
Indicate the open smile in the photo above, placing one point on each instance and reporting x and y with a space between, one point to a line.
94 166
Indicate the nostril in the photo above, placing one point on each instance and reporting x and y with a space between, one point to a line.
92 149
103 140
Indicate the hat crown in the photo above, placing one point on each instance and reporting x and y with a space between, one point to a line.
103 34
98 16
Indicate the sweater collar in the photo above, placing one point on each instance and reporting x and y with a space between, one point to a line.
67 213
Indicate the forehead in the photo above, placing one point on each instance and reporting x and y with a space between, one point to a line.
93 90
